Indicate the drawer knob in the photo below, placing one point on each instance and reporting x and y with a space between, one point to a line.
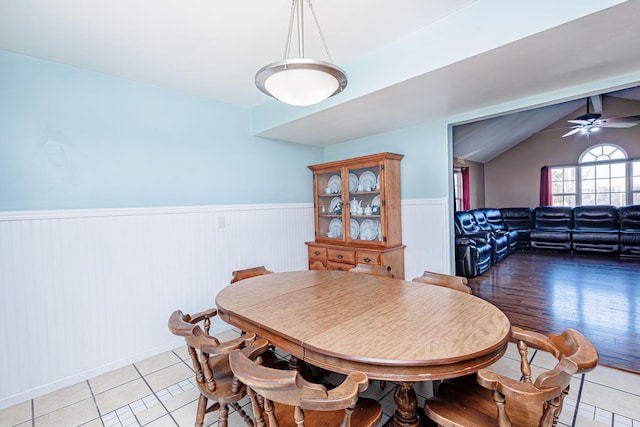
367 259
340 257
316 253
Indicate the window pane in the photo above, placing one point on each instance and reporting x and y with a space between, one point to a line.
618 199
603 199
636 198
589 186
618 185
570 201
618 169
570 173
602 186
588 172
569 186
557 174
617 154
636 168
557 201
602 171
636 184
588 199
557 188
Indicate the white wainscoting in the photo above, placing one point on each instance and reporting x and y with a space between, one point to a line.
88 291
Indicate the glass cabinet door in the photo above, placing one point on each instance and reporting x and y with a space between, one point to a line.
365 207
329 204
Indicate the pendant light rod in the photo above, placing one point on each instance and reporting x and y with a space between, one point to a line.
300 29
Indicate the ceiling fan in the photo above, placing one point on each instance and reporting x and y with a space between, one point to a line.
591 122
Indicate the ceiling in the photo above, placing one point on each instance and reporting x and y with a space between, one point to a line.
212 49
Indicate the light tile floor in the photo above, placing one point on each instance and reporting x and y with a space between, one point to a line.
161 391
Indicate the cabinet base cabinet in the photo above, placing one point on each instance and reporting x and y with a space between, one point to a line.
329 257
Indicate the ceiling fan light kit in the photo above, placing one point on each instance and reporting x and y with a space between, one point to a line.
301 81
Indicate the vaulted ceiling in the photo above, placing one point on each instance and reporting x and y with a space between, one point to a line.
212 49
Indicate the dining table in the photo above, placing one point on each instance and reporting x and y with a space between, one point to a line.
390 329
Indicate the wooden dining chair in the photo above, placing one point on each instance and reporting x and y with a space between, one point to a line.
286 399
238 275
270 359
454 282
376 270
491 399
210 360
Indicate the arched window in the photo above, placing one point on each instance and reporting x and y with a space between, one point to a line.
603 176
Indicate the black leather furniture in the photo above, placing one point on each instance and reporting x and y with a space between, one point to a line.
630 230
596 229
499 239
552 228
520 221
486 236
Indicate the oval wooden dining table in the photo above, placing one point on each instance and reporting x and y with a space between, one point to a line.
390 329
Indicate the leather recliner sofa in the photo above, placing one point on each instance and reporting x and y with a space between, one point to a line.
486 236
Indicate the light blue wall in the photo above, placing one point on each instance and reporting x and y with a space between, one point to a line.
72 139
426 166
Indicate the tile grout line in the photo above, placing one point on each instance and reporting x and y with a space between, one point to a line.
579 397
95 402
155 395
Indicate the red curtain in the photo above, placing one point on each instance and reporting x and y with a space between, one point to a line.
545 186
466 201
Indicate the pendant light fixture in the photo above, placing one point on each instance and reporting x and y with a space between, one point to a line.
301 81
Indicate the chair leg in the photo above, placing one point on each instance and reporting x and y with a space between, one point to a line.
223 415
202 408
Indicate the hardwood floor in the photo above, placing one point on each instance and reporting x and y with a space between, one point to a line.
550 292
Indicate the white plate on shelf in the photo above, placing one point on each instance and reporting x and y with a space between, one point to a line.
335 184
367 180
353 182
368 230
355 228
334 202
335 227
376 201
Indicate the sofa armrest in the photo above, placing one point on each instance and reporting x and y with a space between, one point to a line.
479 237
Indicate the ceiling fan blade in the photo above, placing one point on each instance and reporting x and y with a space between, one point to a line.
620 125
581 122
623 119
571 132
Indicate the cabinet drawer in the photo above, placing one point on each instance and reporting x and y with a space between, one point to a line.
317 253
339 266
341 255
369 258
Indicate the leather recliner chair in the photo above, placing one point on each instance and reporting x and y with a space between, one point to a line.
630 230
596 229
520 220
499 241
474 249
553 225
495 220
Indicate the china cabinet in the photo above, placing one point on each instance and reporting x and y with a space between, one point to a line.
357 214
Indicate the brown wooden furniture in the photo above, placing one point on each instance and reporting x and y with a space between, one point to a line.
491 399
314 316
439 279
287 399
210 359
376 270
346 235
248 272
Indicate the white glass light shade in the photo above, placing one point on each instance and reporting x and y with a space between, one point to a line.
301 81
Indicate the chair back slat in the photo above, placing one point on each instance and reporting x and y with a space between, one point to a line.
375 270
439 279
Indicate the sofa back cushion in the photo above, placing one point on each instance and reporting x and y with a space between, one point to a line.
481 219
554 218
518 218
494 218
601 217
465 223
630 218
